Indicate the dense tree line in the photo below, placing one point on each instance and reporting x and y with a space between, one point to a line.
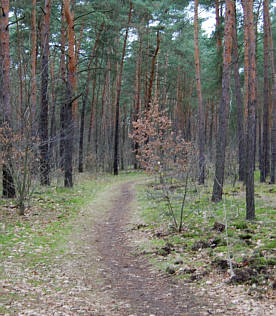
76 74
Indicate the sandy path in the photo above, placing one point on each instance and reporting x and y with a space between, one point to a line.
131 277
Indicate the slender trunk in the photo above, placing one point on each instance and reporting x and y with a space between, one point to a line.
273 132
138 91
8 182
84 100
153 63
117 114
92 112
53 113
201 136
164 94
20 74
224 104
33 67
264 167
273 129
211 129
63 75
251 106
43 120
71 104
239 102
81 136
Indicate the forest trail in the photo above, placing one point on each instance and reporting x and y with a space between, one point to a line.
140 289
95 269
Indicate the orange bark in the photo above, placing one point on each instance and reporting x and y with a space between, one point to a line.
33 62
71 53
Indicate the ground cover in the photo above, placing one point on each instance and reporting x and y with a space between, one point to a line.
214 236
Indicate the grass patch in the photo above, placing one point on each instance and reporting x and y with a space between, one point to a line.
42 233
199 242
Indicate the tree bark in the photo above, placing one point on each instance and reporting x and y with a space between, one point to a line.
273 132
224 104
137 100
52 144
43 120
273 129
71 104
33 63
264 168
117 113
239 102
201 136
7 179
63 75
84 99
251 106
153 63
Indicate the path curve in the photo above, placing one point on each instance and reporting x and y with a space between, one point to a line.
131 277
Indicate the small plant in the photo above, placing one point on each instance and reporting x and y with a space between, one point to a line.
19 152
166 155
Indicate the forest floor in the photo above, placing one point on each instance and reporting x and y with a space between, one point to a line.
86 260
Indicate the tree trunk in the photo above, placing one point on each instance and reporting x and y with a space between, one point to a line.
71 104
138 91
224 104
20 73
251 106
43 120
92 112
201 136
33 67
153 62
81 136
264 168
8 182
52 144
68 139
84 99
239 102
273 132
63 75
117 113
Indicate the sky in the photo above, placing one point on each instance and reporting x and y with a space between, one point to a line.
209 24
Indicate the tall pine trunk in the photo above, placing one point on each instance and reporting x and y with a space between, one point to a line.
7 179
33 67
224 104
273 132
117 110
249 31
273 129
43 119
264 167
239 102
85 97
201 136
70 111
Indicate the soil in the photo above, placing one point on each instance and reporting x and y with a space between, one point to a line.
132 278
100 272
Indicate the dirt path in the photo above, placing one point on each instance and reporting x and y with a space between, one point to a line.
144 291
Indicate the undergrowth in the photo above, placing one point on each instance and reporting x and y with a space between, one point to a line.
209 240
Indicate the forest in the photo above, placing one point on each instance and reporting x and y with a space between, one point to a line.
134 132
